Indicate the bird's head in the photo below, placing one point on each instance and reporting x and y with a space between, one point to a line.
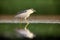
31 10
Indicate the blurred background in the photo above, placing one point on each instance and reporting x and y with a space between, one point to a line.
43 7
46 11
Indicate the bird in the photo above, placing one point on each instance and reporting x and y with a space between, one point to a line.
25 14
25 33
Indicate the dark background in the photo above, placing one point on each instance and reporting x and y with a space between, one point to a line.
43 7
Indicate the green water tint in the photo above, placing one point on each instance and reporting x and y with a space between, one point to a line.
43 29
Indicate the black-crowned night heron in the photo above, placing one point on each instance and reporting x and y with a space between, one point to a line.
24 15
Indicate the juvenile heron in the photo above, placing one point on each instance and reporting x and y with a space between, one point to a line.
24 15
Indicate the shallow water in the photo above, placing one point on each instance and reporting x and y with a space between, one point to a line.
41 30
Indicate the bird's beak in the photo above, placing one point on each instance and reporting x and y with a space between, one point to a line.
34 10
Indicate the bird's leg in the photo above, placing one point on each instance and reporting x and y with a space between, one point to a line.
26 24
20 22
